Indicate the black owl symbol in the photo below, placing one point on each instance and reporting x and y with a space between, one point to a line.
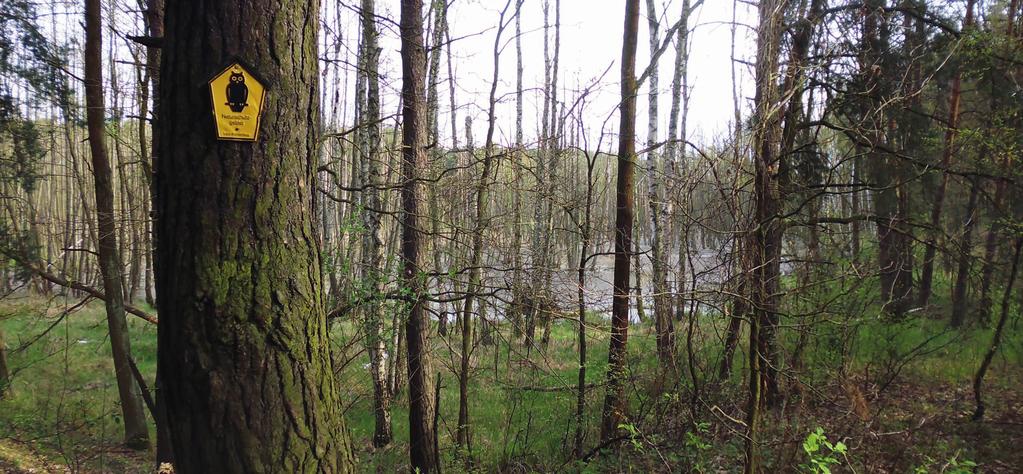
237 92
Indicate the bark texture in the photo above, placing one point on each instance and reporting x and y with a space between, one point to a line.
413 94
246 373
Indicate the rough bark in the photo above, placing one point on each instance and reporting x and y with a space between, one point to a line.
421 405
766 237
136 432
244 360
615 401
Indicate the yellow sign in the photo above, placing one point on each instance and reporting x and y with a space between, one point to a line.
237 103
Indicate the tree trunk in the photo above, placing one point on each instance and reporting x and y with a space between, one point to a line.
421 405
517 290
244 359
5 373
885 171
656 202
136 432
615 401
584 250
951 132
372 242
996 339
991 245
766 238
480 226
154 27
959 297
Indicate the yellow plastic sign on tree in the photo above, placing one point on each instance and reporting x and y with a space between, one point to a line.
237 98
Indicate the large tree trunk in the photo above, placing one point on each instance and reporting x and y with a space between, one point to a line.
421 403
244 355
136 432
615 401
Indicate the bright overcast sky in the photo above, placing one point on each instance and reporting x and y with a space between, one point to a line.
591 41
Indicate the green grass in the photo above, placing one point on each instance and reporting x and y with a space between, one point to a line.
63 404
63 401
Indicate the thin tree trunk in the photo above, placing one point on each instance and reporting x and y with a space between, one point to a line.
517 290
765 241
615 401
480 226
584 250
440 25
5 373
421 404
951 132
136 432
991 245
372 242
739 302
959 297
996 339
153 17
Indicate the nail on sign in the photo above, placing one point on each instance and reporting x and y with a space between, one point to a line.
237 98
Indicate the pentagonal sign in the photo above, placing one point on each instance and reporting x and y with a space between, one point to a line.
237 98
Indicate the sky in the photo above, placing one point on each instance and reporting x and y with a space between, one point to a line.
591 43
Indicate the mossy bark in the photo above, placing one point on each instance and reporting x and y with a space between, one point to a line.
246 377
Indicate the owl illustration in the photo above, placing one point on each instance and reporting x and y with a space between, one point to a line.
237 92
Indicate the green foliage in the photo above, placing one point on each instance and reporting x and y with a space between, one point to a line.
27 54
697 447
954 465
821 453
634 435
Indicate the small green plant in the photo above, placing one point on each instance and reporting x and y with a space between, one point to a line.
634 436
954 465
821 452
696 446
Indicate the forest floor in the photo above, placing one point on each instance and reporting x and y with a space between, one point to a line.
898 396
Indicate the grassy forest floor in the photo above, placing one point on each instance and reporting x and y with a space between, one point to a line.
900 399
